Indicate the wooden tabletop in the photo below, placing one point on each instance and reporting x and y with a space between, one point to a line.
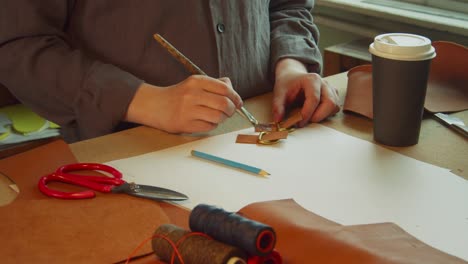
437 145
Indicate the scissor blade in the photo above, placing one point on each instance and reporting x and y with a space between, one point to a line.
453 122
149 192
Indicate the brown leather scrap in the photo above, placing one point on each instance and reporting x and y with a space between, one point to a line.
293 119
263 138
272 132
359 93
39 229
447 89
274 135
267 127
304 237
247 139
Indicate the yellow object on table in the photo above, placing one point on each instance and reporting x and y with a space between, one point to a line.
19 123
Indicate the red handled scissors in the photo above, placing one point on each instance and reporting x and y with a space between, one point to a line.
113 184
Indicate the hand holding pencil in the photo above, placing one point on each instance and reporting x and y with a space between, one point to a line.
194 69
197 104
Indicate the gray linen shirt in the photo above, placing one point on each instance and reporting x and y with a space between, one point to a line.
78 63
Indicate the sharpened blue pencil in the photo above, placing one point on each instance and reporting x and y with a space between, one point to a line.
229 163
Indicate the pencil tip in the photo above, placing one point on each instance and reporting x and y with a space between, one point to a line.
264 173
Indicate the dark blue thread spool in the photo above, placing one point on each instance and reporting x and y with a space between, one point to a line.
253 237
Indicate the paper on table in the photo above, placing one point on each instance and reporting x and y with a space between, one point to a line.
342 178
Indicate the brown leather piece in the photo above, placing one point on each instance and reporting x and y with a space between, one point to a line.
359 93
292 120
274 135
302 235
271 133
264 138
105 229
247 139
446 89
266 127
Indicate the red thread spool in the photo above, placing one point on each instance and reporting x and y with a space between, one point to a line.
266 241
273 258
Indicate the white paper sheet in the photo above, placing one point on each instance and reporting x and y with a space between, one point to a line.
342 178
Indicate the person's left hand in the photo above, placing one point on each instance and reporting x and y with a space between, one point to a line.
295 87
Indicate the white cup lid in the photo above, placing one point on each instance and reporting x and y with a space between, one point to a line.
401 46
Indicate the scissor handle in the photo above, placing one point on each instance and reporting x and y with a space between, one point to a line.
59 194
98 183
89 166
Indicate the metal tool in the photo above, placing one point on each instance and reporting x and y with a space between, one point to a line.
248 115
453 122
112 184
194 69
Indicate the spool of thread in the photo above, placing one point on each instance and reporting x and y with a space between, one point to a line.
273 258
255 238
194 249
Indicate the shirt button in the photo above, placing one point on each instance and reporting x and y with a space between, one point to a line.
220 27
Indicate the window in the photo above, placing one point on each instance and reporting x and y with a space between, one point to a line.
457 9
435 19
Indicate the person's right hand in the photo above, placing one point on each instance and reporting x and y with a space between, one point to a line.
197 104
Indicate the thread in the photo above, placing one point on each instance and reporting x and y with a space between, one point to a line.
194 248
273 258
255 238
173 245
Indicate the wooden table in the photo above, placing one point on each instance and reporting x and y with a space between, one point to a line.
437 145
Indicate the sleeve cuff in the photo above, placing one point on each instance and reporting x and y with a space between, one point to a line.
101 106
304 50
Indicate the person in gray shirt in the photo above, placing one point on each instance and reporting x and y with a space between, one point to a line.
91 65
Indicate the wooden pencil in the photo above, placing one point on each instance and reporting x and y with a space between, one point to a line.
229 163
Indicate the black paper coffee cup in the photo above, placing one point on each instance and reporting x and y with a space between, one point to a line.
400 70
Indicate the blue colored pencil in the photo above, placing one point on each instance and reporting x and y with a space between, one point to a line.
229 163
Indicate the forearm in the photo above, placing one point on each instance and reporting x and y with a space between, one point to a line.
141 101
289 66
57 81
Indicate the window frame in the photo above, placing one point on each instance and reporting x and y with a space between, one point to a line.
367 19
449 8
